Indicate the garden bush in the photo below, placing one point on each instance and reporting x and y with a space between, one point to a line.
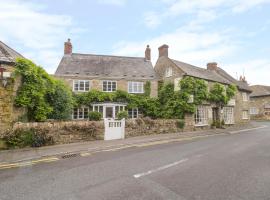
95 116
122 115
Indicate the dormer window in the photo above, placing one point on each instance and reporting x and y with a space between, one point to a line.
168 72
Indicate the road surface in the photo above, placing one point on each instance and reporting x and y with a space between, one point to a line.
227 167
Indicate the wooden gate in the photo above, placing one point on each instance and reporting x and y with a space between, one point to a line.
114 129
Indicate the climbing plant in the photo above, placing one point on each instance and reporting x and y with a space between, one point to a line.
42 95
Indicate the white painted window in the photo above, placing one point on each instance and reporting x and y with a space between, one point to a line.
177 86
228 114
119 109
245 114
98 108
135 87
245 96
133 113
201 116
254 111
168 72
81 85
80 113
109 86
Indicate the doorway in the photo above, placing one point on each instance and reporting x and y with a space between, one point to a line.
109 112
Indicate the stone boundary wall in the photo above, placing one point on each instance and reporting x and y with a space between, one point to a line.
64 132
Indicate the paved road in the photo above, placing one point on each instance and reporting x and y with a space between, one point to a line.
230 167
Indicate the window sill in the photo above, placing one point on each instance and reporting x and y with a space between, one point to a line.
200 125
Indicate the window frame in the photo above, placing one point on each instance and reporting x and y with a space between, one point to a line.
168 72
79 84
131 113
201 116
245 96
243 116
83 111
138 84
107 85
253 111
228 115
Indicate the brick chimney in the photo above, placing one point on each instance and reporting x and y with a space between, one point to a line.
68 47
163 50
147 53
212 66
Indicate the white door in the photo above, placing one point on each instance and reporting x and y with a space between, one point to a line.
114 129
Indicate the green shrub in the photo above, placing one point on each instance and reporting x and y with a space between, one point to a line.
122 115
27 138
95 116
180 123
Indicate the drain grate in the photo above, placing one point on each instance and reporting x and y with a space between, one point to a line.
70 155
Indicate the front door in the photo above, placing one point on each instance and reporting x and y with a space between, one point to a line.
109 112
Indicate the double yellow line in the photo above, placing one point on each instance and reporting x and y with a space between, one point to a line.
28 163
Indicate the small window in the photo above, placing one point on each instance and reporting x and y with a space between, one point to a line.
80 113
201 116
81 85
135 87
254 111
133 113
245 96
168 72
245 114
109 86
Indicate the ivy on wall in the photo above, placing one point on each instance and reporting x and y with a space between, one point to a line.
42 95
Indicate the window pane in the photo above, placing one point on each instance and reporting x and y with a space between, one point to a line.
113 86
76 86
81 85
87 85
104 85
85 113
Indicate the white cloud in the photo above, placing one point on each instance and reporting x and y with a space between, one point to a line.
113 2
27 26
255 71
185 45
152 19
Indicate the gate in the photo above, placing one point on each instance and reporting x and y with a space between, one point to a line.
114 129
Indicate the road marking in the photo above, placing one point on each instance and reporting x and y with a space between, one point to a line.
28 163
160 168
245 130
85 154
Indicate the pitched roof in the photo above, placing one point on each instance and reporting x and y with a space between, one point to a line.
202 73
7 54
240 84
105 66
260 90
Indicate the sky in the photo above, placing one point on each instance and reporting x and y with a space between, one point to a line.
233 33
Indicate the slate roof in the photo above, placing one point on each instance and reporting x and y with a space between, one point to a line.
217 76
105 66
240 84
260 90
7 54
202 73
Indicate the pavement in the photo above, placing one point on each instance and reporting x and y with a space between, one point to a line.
67 150
233 166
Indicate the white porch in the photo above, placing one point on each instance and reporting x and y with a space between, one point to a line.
109 110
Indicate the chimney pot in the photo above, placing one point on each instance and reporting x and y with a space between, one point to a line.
163 50
148 53
67 47
212 66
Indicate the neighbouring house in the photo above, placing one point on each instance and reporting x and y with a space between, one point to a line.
107 73
8 87
260 102
237 110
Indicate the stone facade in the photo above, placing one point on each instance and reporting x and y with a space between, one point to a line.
8 112
261 105
122 84
164 62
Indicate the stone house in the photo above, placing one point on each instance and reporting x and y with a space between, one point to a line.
237 110
8 87
260 102
85 72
